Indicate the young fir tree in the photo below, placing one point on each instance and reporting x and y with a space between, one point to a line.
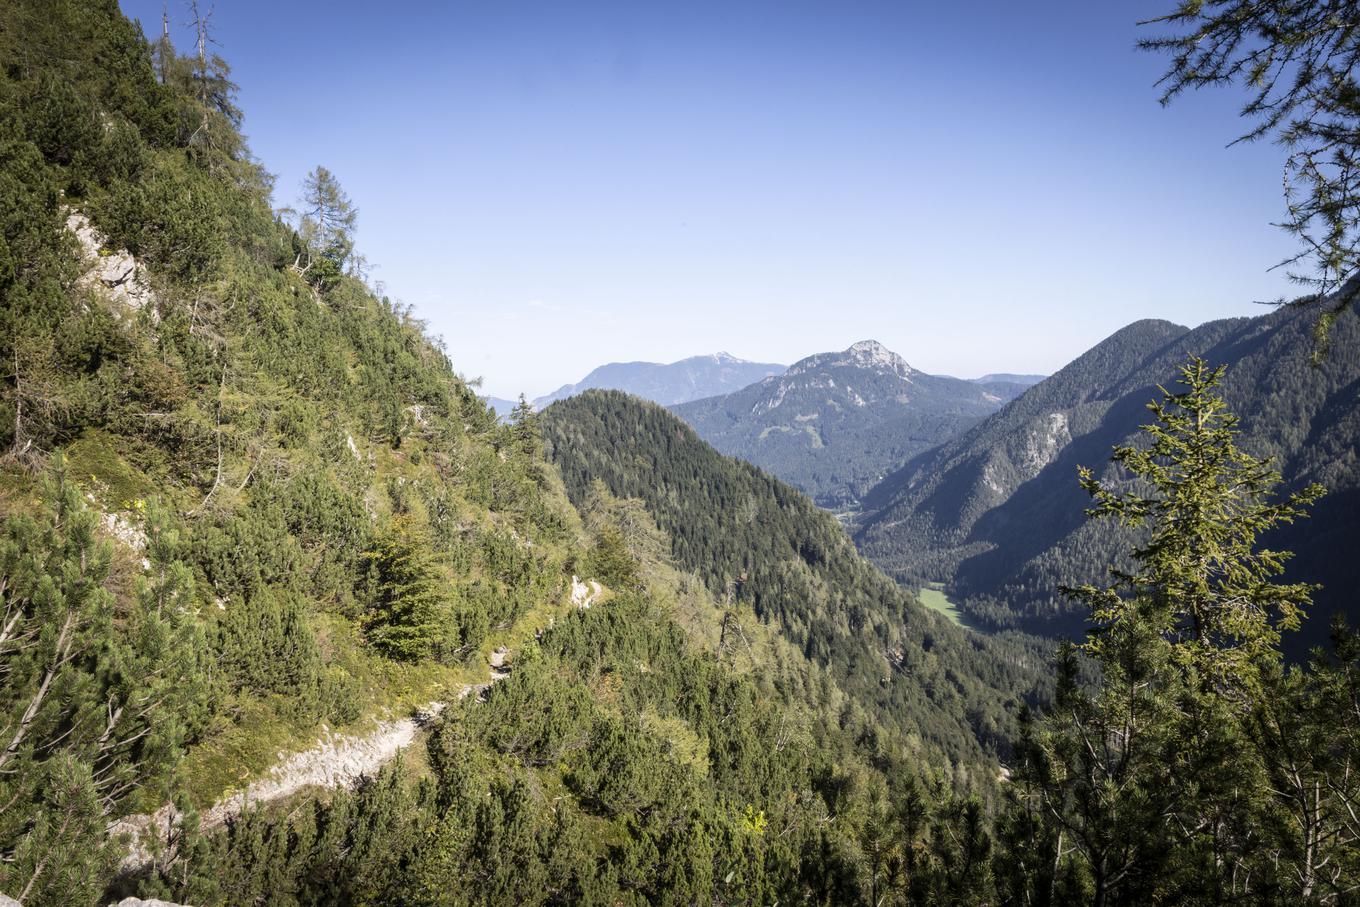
1148 788
524 428
408 617
1201 580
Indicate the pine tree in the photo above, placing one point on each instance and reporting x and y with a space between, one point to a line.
97 693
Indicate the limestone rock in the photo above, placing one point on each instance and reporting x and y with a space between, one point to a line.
116 274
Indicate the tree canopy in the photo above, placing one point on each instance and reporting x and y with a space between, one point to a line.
1296 61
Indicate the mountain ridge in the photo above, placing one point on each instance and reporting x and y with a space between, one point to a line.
997 512
691 378
834 422
1008 378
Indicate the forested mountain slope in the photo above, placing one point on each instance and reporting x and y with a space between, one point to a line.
834 423
997 512
245 500
672 382
759 541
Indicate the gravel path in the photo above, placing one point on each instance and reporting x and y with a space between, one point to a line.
339 760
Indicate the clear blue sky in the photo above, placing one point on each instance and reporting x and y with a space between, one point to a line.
980 186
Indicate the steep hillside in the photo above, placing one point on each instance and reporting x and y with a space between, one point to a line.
675 382
756 540
997 511
248 508
834 423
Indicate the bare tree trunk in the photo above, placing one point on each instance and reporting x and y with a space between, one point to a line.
218 480
165 40
16 450
62 649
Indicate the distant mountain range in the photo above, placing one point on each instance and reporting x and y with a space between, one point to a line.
671 383
833 424
1008 378
997 512
501 406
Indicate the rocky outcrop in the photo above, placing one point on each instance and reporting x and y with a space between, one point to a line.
338 761
584 594
866 354
113 273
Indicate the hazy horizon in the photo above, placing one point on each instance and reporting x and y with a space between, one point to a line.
576 186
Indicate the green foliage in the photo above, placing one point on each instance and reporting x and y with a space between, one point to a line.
330 517
757 541
1295 62
325 228
99 692
611 562
559 790
1171 781
266 646
262 409
524 428
1202 582
408 615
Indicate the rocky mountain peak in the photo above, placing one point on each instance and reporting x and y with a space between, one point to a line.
869 354
872 354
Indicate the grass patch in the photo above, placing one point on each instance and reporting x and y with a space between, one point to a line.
94 459
934 598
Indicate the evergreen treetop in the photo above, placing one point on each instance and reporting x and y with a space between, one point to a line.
1201 578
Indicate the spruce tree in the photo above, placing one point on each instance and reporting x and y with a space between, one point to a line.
1201 581
408 617
524 428
1148 786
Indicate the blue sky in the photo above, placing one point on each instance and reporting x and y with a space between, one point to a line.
980 186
